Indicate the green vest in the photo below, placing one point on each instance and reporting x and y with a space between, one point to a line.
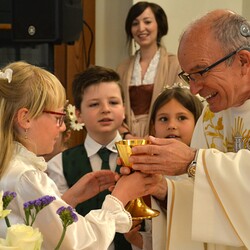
76 164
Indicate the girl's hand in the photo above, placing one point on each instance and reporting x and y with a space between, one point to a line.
89 185
137 184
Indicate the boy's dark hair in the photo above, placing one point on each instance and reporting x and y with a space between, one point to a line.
160 17
91 76
183 96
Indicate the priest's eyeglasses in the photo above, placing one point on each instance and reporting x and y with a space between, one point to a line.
59 118
197 76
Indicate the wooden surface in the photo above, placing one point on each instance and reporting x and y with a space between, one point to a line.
70 59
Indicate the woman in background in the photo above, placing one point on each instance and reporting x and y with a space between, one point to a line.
144 74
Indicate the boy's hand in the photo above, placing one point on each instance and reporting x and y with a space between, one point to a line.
133 236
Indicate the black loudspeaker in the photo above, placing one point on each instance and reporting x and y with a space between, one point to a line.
56 21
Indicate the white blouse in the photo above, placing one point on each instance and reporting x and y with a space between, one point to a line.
150 73
25 176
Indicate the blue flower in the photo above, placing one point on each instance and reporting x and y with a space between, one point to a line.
32 208
7 198
67 217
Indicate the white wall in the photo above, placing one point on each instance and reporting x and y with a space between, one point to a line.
110 21
181 13
246 9
110 39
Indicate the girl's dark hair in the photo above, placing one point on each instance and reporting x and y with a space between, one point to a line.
183 96
92 76
160 16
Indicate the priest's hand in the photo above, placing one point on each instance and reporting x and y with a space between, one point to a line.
162 156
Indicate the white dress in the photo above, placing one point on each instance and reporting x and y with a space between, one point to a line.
25 176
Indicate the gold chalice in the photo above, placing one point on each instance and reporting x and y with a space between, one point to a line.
137 208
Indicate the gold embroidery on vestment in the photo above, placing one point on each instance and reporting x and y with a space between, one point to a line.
240 137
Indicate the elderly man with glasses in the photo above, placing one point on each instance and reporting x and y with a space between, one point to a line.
209 207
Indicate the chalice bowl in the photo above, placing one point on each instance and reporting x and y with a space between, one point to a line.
137 208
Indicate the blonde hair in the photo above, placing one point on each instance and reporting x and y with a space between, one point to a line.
31 87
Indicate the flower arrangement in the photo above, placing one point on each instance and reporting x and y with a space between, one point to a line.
24 236
71 119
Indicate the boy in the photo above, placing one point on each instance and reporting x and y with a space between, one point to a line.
99 105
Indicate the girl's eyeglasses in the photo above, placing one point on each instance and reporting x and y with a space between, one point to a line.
60 119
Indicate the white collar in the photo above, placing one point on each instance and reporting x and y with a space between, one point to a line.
92 147
29 157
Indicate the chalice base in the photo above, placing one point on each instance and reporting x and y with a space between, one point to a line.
139 210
